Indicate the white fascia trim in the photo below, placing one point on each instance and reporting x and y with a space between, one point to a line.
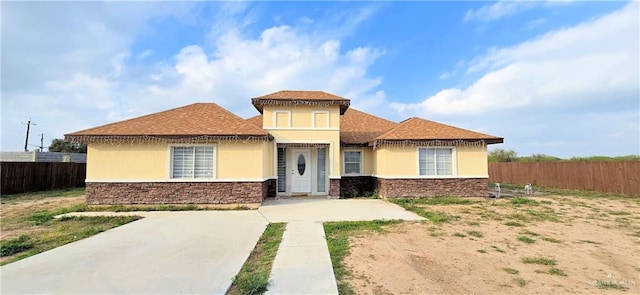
181 180
429 177
303 129
303 141
334 177
356 175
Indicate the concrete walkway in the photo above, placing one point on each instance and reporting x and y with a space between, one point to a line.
303 265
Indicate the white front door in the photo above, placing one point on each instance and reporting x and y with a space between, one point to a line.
301 171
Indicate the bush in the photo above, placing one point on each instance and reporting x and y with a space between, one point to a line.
16 245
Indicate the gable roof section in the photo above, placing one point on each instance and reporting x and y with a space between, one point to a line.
192 120
255 120
421 129
300 97
358 127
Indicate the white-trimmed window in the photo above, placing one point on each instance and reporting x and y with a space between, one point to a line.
192 162
352 162
435 161
282 119
320 119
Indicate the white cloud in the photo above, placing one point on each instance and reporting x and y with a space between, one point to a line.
74 69
587 64
506 8
570 92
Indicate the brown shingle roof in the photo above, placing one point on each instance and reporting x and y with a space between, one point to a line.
293 97
358 127
421 129
190 120
255 120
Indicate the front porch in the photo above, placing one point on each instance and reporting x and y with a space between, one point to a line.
303 169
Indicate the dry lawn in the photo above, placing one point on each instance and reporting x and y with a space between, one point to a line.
590 245
27 226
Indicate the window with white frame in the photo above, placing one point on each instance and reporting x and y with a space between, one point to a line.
192 162
352 162
435 161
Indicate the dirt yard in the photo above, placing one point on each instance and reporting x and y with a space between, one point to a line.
538 245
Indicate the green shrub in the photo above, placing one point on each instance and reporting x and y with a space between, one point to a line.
41 217
16 245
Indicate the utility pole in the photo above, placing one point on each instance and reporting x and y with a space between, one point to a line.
41 142
26 140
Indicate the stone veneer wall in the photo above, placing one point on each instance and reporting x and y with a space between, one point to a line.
357 186
334 187
415 188
102 193
270 188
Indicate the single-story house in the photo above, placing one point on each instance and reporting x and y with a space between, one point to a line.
301 143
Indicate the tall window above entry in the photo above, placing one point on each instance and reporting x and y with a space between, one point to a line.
352 162
192 162
320 119
282 119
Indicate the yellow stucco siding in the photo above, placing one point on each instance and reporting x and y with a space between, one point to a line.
237 160
301 116
391 161
252 160
396 161
472 161
127 161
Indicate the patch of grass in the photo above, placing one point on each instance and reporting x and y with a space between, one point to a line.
520 281
481 251
41 217
337 235
16 245
476 234
589 242
511 271
524 201
538 260
57 232
443 200
529 233
473 223
513 223
619 213
433 216
602 284
551 240
459 235
557 272
519 217
253 277
497 249
70 192
526 239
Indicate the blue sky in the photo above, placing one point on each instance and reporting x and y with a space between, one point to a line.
553 77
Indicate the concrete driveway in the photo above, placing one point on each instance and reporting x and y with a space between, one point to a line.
188 252
191 252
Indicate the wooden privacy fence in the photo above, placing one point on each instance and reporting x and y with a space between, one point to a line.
20 177
614 177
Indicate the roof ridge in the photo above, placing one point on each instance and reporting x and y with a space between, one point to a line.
140 117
